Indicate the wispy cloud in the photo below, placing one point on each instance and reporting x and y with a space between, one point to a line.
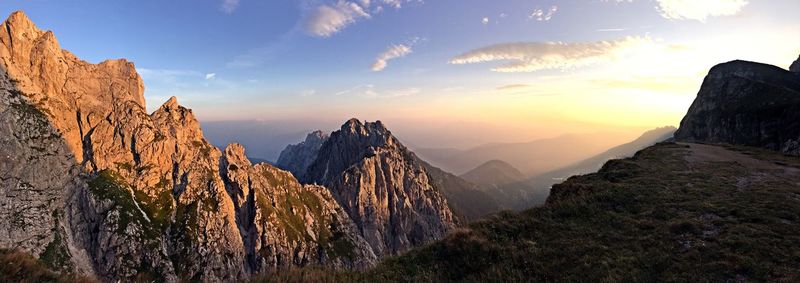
211 76
485 20
393 52
536 56
228 6
696 9
544 15
699 10
327 19
611 29
371 91
513 87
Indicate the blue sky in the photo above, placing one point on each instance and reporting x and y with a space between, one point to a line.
578 63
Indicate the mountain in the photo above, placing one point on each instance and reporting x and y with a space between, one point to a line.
594 163
383 186
92 184
795 67
531 158
507 185
494 173
746 103
466 199
297 158
264 140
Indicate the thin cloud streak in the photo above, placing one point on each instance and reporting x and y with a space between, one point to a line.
537 56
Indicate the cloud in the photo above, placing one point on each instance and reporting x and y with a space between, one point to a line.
513 87
308 92
393 52
326 20
371 91
696 9
211 76
536 56
542 15
485 20
611 29
228 6
699 10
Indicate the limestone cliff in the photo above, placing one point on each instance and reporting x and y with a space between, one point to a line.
93 184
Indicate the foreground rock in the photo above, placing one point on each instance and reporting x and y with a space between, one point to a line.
91 183
746 103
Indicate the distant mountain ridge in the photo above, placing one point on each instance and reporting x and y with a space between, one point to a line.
506 185
297 158
594 163
530 158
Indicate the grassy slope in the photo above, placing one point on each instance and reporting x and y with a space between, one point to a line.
671 213
20 267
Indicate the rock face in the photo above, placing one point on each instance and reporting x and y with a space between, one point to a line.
383 187
297 158
91 183
795 67
746 103
272 206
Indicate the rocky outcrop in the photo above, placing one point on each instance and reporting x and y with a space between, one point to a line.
795 67
383 187
296 158
283 221
93 184
746 103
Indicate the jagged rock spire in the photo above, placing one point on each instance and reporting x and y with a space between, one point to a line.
795 66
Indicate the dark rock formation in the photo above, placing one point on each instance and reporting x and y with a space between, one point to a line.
795 67
296 158
746 103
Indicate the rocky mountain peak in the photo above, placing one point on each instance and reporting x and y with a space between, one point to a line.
795 67
746 103
18 26
382 185
296 158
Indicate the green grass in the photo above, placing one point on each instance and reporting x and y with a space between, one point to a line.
20 267
109 185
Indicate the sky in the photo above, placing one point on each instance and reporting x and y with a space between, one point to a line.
444 72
